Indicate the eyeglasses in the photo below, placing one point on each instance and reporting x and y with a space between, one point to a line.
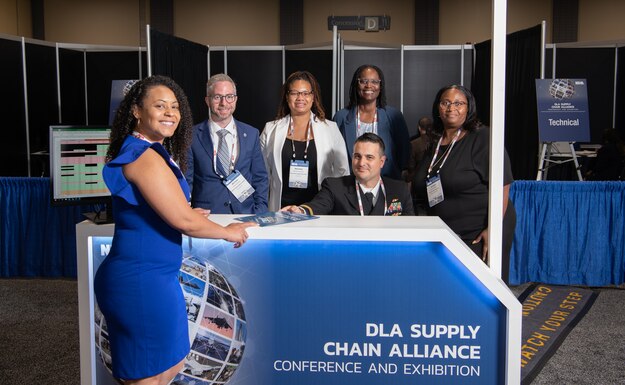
229 98
373 82
297 94
456 105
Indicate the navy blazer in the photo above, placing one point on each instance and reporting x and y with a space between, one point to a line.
338 196
207 189
392 129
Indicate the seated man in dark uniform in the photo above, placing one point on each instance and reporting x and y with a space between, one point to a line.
365 192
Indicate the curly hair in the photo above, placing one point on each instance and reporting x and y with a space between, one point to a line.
471 122
353 87
317 107
125 122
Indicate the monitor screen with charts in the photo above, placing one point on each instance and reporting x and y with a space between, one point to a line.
77 156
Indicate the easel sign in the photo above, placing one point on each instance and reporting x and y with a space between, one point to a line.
562 110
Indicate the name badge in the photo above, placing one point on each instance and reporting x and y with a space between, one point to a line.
238 186
435 190
298 174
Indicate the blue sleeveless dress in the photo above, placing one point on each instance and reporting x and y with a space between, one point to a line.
137 285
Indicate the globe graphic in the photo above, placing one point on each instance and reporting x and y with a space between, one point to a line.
562 88
217 326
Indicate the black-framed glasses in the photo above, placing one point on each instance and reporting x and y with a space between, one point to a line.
446 104
373 82
229 98
297 94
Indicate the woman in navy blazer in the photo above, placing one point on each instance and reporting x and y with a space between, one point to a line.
367 112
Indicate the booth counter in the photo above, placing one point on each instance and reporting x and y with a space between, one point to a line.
333 300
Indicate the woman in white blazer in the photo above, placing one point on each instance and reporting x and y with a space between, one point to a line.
301 148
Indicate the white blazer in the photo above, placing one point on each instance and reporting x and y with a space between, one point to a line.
331 153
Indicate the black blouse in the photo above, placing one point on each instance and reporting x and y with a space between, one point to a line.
297 196
464 178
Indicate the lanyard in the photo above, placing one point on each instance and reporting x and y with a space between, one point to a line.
360 207
292 132
375 122
447 152
231 164
139 135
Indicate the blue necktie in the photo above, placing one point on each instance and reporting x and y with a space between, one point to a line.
223 152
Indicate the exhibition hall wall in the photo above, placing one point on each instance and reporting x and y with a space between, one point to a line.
56 83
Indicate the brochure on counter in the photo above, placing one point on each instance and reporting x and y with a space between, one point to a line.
276 218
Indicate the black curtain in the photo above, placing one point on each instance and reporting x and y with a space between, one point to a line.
42 104
521 121
186 62
217 62
13 157
388 60
72 74
596 65
620 92
480 82
102 69
425 72
258 89
318 63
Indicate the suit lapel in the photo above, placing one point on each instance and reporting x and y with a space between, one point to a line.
351 197
206 140
241 142
378 209
279 132
350 132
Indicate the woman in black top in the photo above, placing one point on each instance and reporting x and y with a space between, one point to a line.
452 179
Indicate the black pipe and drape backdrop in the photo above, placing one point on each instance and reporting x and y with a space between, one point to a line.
620 93
42 103
258 75
596 65
521 122
102 69
425 72
72 75
186 62
13 156
318 63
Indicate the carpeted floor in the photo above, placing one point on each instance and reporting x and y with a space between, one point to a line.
39 337
39 332
594 351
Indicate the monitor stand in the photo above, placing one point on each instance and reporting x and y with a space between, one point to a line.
101 217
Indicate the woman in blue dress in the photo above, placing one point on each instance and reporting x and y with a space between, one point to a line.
137 284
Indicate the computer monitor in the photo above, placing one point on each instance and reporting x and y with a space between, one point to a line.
77 156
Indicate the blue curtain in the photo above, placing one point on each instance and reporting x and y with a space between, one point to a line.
568 233
36 240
